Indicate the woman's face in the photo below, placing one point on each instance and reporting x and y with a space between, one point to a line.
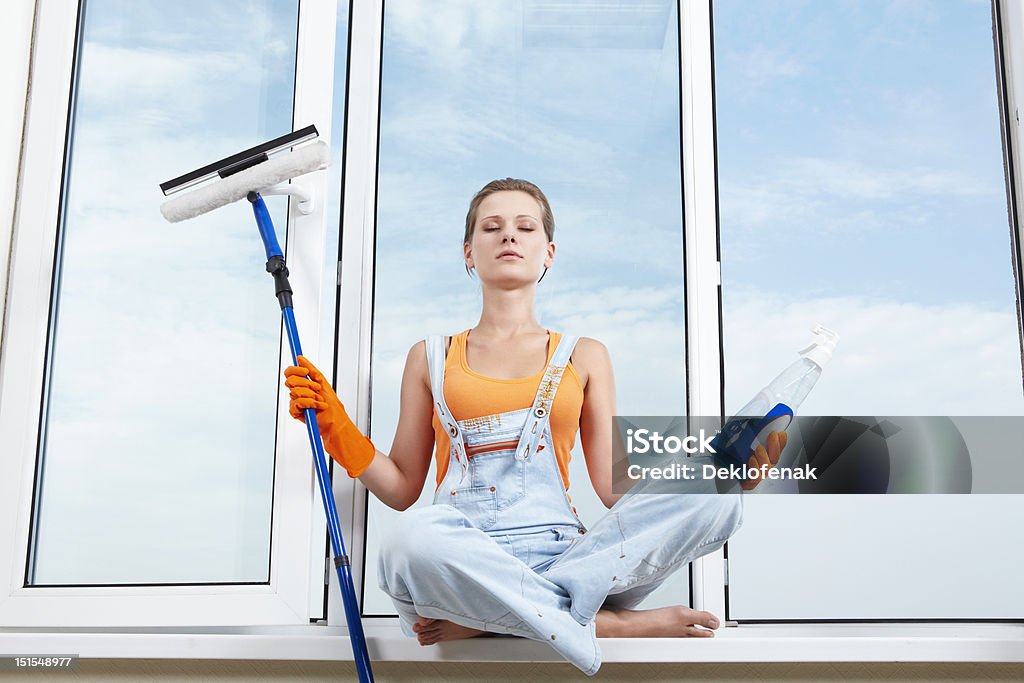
509 247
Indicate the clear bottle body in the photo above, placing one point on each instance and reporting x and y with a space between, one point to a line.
790 387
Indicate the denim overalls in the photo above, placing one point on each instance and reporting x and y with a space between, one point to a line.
502 550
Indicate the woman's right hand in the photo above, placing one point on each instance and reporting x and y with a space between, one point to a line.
308 388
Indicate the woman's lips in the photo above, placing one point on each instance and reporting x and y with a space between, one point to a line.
509 255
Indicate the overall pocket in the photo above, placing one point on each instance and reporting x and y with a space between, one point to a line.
501 472
477 503
491 443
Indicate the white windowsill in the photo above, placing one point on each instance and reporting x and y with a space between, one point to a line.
747 643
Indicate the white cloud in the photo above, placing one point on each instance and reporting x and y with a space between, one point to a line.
116 74
842 195
810 176
762 64
893 358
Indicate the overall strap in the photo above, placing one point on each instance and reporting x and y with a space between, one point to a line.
540 412
435 365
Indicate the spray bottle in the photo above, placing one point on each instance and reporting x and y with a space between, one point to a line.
773 408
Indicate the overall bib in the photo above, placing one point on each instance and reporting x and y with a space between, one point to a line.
503 550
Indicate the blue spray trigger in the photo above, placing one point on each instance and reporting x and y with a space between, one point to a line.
738 439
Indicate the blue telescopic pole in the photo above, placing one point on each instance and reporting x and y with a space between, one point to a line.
276 267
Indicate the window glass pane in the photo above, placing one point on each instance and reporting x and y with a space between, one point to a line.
861 186
471 93
329 287
158 455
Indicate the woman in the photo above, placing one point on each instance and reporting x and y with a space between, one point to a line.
502 549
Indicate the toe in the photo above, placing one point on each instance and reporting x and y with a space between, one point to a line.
423 623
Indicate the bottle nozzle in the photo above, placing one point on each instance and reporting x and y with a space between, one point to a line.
820 350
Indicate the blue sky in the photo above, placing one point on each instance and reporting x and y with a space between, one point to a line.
873 125
860 187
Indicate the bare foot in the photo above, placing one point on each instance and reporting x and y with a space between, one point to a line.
430 631
676 621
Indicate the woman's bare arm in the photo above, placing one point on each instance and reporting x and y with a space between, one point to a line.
397 479
594 366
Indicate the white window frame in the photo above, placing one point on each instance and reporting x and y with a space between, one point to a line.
15 45
1009 45
295 589
355 274
700 253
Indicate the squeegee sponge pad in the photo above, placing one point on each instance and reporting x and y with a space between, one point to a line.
303 160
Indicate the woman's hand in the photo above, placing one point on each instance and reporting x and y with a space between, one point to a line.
308 388
765 458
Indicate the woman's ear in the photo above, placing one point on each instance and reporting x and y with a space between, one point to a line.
549 259
467 253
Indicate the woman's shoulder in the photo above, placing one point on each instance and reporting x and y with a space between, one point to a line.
588 347
418 360
419 348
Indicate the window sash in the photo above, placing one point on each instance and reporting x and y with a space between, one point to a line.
700 227
295 590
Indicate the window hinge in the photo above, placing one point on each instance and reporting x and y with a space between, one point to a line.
725 570
327 571
339 273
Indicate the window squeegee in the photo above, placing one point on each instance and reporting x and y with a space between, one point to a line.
251 174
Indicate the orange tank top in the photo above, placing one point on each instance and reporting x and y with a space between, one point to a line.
469 394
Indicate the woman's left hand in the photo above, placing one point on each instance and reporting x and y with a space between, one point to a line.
765 458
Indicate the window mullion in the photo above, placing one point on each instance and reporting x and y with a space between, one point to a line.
357 248
314 87
700 225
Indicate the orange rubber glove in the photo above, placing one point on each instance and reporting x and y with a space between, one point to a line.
342 439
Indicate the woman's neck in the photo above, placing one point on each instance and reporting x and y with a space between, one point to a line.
507 313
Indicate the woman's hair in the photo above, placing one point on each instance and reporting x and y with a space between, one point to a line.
507 185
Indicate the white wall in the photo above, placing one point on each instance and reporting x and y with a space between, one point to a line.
15 47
